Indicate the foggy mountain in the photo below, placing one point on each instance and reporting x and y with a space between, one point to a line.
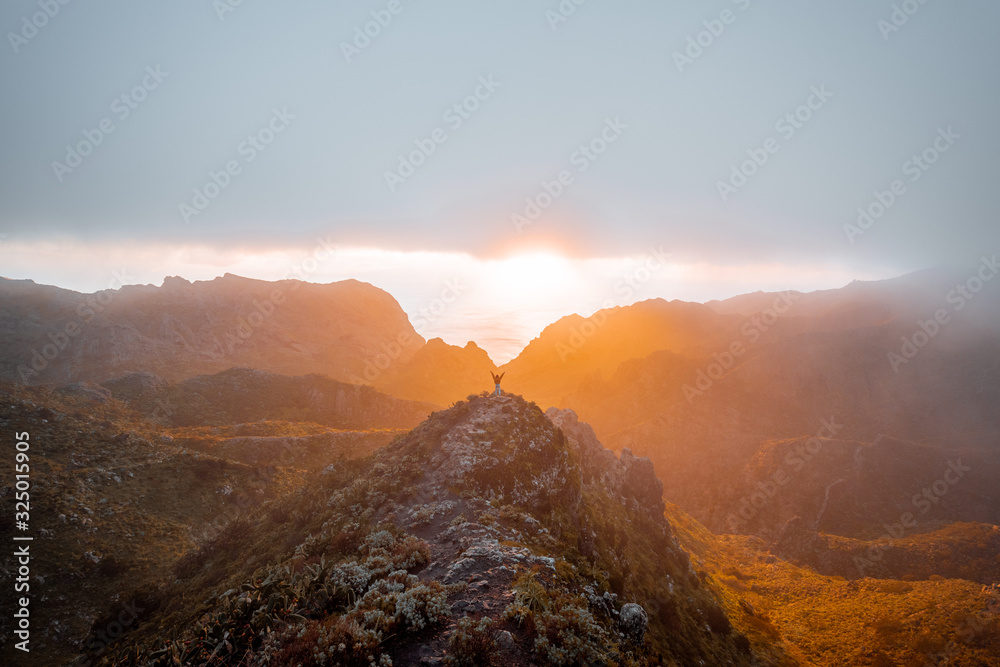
845 440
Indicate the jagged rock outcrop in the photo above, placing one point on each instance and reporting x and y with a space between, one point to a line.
630 476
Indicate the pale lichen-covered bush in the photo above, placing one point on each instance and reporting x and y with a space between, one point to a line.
321 613
381 539
424 514
423 605
352 575
568 634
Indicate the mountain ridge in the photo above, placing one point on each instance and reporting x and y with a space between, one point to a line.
487 510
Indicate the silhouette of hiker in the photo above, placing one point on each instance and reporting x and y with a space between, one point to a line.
496 379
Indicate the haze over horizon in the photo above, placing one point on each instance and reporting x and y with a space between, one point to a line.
500 305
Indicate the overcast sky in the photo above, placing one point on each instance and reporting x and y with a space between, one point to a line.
672 118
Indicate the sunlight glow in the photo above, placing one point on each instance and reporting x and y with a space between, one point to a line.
529 279
500 303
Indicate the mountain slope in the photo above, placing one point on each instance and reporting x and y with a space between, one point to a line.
113 505
184 329
703 416
437 372
575 348
824 619
487 535
241 395
826 385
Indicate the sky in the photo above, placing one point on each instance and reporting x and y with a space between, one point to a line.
547 157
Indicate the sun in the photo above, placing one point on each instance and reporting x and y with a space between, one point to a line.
534 279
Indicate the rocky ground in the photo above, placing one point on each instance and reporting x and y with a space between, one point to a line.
491 534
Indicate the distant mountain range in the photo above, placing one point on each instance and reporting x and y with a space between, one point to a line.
915 359
668 379
278 461
183 329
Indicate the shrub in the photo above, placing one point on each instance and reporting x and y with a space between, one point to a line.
529 592
565 571
423 605
568 634
880 659
276 615
472 644
886 626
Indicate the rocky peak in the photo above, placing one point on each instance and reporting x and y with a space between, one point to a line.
629 476
500 448
175 282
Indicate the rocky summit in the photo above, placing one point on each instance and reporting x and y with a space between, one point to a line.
491 534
